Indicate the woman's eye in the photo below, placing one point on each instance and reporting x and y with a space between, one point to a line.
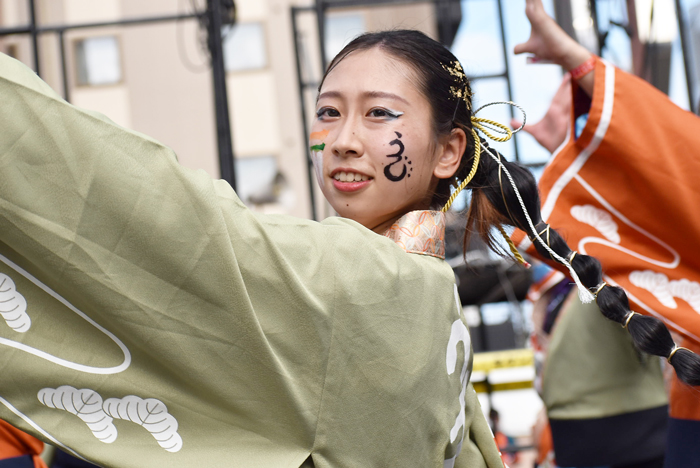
327 112
385 114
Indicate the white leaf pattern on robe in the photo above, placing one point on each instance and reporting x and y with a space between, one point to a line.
655 283
84 403
665 291
597 218
687 290
150 413
13 306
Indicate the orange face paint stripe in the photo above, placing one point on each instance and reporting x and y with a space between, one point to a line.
318 135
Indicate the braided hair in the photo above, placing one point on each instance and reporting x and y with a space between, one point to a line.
494 201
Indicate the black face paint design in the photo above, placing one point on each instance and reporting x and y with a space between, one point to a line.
399 158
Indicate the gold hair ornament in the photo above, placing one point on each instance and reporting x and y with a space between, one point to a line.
598 289
674 350
455 69
628 318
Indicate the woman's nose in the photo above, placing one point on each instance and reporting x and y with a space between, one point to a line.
347 143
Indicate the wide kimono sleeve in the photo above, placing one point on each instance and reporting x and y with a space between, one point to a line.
149 319
626 191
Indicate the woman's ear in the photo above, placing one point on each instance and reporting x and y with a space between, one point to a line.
450 155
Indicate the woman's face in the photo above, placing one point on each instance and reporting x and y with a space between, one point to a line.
372 141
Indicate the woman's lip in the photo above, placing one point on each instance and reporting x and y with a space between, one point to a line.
350 186
347 170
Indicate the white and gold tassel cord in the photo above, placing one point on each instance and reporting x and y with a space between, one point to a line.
484 125
470 176
583 293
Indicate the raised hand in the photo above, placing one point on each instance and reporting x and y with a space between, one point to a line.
550 132
551 43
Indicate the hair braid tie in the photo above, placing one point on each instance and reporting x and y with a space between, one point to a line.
673 351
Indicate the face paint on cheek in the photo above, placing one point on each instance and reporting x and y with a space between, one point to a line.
390 173
317 159
320 135
317 153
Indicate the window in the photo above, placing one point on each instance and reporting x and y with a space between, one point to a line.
341 29
97 61
244 47
257 180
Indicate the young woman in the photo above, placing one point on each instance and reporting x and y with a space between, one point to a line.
156 321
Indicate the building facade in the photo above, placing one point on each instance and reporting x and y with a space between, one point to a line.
155 79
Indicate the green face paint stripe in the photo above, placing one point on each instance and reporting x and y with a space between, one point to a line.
318 147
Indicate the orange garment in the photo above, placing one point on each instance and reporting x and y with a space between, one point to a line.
502 442
545 446
684 400
627 192
15 443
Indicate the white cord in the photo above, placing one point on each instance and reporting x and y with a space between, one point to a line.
508 103
583 293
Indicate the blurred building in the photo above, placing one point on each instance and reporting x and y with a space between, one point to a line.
155 78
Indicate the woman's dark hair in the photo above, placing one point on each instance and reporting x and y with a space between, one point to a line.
493 202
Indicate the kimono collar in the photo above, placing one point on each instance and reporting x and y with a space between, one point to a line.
420 232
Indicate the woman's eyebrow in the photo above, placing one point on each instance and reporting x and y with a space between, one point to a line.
384 94
371 94
329 94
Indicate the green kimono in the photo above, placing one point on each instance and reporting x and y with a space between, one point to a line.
150 319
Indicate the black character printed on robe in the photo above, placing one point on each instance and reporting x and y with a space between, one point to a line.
399 157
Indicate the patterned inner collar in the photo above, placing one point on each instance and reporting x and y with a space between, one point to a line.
420 232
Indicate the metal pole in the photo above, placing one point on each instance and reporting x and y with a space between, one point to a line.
686 57
593 7
64 69
123 22
33 32
507 72
223 124
321 21
302 100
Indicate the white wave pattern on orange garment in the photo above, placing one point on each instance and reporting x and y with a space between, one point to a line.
650 310
598 219
666 290
595 240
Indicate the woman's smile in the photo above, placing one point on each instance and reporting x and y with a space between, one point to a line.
349 180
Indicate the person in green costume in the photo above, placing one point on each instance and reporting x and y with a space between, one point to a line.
153 320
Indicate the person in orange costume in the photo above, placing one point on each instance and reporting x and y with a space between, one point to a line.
18 449
625 191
